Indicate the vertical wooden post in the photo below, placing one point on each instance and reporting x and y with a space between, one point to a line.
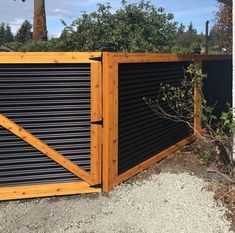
197 102
96 116
110 114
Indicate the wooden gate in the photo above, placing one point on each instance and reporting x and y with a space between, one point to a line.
58 126
50 124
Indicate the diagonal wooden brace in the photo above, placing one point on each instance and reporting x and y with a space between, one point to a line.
45 149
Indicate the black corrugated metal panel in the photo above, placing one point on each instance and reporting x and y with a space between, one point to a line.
52 101
217 87
141 133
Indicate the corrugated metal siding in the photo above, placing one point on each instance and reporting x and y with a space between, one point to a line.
52 101
217 87
141 133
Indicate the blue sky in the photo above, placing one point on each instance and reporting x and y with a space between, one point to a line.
185 11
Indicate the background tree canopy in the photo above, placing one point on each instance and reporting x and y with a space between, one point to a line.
222 31
134 27
139 27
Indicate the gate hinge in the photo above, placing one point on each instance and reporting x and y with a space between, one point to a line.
100 122
96 58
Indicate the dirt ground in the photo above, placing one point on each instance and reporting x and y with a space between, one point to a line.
187 160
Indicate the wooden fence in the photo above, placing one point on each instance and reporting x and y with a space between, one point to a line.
74 123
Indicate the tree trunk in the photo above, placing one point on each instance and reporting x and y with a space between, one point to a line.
234 85
39 23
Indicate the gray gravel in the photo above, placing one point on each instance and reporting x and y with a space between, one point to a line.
166 203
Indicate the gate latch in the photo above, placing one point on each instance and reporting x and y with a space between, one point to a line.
100 122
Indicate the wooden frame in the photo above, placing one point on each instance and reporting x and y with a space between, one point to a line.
104 108
46 190
197 99
92 178
96 116
47 57
110 115
110 105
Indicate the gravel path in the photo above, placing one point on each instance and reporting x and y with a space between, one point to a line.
167 203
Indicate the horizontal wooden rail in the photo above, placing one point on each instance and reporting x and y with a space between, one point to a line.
46 190
47 57
163 57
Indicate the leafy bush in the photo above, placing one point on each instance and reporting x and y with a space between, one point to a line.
205 156
180 100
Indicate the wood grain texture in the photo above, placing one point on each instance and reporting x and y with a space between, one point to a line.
150 57
96 115
110 114
163 57
45 149
96 92
197 103
47 57
46 190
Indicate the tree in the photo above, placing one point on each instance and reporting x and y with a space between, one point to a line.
191 29
186 41
2 33
9 37
181 29
188 38
24 33
221 33
137 27
39 22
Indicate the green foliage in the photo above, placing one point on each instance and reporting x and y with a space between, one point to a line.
5 34
196 74
24 33
2 33
180 98
205 156
186 41
221 36
9 37
225 127
15 45
37 46
134 27
180 103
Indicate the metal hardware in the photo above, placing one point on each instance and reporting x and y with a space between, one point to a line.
100 122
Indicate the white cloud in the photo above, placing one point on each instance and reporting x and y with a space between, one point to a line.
94 2
15 24
63 13
54 35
